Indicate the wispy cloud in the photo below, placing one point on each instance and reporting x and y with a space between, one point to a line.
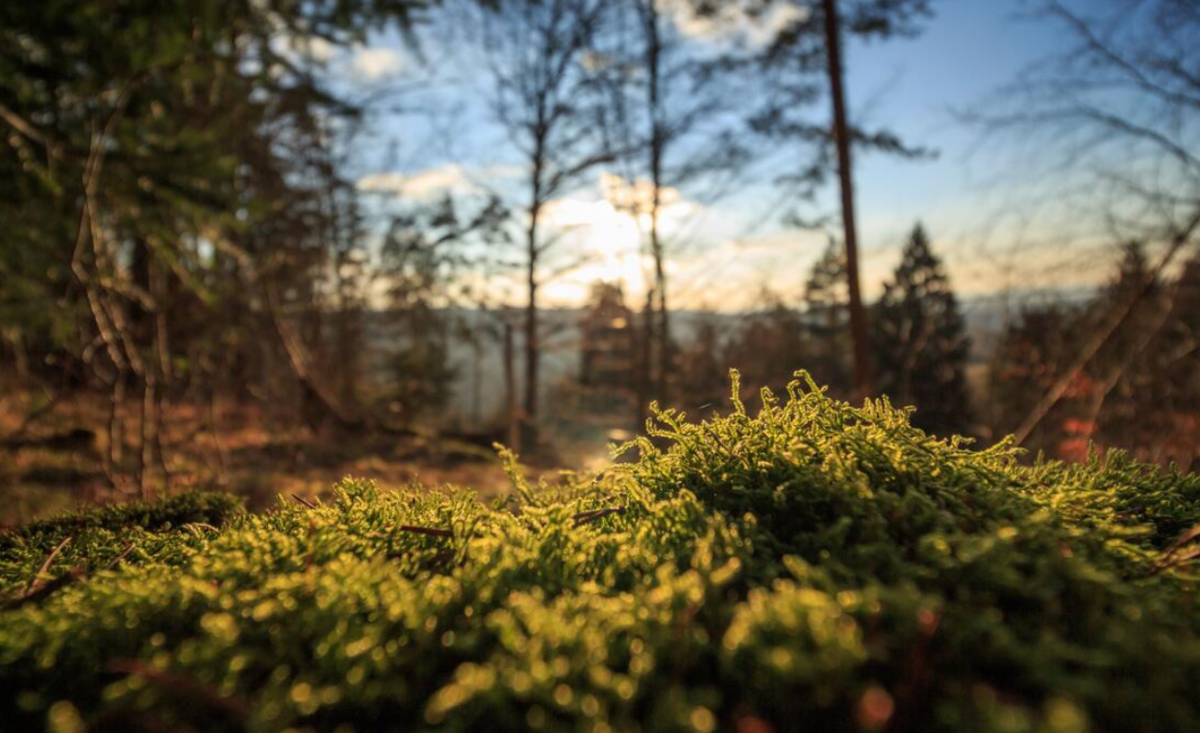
422 186
728 23
357 62
313 47
376 63
430 183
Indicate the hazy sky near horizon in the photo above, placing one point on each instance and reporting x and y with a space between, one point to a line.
724 252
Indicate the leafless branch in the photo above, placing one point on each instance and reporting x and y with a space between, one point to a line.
1097 339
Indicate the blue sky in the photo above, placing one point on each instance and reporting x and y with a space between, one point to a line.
730 249
968 53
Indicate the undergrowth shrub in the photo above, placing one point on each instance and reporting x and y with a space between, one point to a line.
813 567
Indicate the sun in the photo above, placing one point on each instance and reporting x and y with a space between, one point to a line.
606 238
598 242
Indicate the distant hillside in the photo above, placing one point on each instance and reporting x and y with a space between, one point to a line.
478 393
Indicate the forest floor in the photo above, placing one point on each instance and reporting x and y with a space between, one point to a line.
57 461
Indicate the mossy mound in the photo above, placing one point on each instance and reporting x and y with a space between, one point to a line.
815 567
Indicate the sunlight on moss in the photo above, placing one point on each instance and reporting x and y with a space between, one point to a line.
816 566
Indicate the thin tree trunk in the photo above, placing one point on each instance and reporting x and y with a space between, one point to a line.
643 345
105 314
841 133
662 333
301 363
116 435
165 371
532 345
161 288
658 142
160 455
510 390
146 435
476 380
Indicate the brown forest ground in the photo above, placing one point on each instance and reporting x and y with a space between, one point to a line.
248 454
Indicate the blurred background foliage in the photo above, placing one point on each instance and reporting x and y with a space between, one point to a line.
199 285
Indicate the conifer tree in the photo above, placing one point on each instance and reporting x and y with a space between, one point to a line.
827 316
1122 391
1144 397
769 345
919 341
421 259
1181 367
1036 345
703 371
1139 393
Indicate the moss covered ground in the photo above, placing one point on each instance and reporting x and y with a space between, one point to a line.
812 567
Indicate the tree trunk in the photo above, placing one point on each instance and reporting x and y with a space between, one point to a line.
643 346
114 455
658 142
315 391
841 134
146 435
532 345
510 390
662 335
476 380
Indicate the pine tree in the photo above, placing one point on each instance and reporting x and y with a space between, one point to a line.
919 341
1146 396
607 340
769 345
421 259
703 376
1123 400
827 318
1037 344
1141 392
1181 368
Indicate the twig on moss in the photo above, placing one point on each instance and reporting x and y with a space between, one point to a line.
1169 557
596 514
429 531
45 589
301 500
46 565
116 561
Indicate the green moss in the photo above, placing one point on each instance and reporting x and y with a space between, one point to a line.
189 507
158 531
812 567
